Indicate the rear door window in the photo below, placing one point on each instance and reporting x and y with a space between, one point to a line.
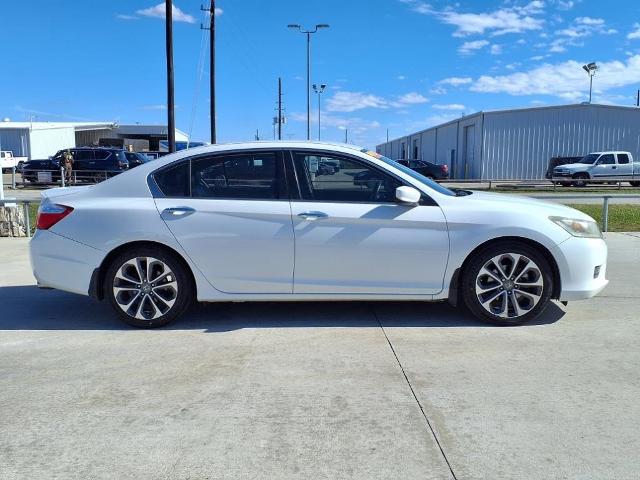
623 158
256 176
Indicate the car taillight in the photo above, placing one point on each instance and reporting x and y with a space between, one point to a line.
444 168
51 213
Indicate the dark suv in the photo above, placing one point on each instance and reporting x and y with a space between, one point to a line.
95 163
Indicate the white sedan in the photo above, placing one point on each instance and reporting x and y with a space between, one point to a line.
279 222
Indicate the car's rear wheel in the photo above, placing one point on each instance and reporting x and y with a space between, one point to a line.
148 287
635 184
508 283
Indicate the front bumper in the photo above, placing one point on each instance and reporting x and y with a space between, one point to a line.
62 263
577 260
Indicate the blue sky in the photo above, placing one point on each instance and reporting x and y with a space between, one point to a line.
397 64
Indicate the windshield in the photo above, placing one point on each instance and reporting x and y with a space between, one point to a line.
412 173
590 159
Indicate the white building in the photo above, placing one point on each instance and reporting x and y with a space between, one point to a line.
43 139
518 144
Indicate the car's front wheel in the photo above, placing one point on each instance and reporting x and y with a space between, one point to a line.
507 283
148 287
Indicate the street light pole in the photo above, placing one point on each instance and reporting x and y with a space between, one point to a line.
319 91
591 69
308 33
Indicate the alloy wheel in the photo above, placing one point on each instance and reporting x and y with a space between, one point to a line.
145 288
509 285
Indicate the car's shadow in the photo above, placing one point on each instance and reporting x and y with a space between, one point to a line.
30 308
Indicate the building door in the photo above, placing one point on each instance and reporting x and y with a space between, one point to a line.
468 150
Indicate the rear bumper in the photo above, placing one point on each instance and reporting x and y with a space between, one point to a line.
578 259
61 263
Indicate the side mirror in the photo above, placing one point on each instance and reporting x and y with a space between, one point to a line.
408 195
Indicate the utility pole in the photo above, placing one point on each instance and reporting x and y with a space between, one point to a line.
387 135
212 66
319 90
171 121
257 135
346 135
638 99
279 108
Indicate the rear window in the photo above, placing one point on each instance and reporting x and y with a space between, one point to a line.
102 154
174 181
623 158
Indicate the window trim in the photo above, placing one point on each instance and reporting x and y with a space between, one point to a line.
425 200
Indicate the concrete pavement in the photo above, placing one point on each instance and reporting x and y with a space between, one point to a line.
319 390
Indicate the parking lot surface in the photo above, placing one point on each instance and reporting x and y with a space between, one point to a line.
319 390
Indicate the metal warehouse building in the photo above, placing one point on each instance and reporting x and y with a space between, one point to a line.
43 139
517 144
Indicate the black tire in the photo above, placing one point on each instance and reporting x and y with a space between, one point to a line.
635 184
183 298
580 179
471 272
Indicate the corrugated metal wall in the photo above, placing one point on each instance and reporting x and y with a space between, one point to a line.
16 140
519 144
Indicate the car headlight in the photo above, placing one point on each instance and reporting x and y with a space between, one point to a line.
577 227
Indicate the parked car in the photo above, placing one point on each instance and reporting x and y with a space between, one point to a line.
136 159
428 169
229 223
94 164
41 171
8 161
600 165
154 155
558 161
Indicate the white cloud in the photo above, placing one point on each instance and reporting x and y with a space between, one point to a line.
565 5
468 48
514 19
159 12
456 81
401 77
635 34
438 90
589 21
412 98
344 101
565 80
580 28
126 17
352 101
450 106
495 49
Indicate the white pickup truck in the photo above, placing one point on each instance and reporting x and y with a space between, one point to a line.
8 161
600 166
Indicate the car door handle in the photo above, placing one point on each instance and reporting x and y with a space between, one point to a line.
614 167
178 211
313 215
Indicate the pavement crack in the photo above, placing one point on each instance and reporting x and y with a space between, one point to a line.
415 397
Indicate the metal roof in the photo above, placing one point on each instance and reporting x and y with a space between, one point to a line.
79 126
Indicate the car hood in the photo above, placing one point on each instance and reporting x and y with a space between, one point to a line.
574 166
502 202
